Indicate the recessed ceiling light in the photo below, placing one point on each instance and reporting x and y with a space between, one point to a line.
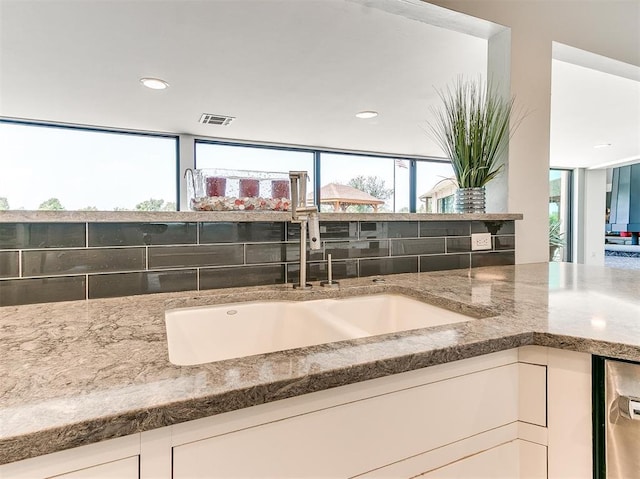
367 114
154 83
602 145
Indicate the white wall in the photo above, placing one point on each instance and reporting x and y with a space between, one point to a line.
590 189
609 28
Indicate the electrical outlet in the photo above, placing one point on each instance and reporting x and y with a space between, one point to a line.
480 241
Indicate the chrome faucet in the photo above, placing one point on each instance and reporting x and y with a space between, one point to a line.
307 216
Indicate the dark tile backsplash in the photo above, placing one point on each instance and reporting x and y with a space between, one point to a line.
460 244
318 271
494 227
42 235
190 256
500 258
42 290
389 229
417 246
43 262
214 278
241 232
445 228
444 262
136 234
128 284
9 264
379 266
78 261
328 230
357 249
504 242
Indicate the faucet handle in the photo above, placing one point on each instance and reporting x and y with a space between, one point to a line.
314 231
330 283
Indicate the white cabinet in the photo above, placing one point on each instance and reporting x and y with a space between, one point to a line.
516 459
112 459
121 469
349 439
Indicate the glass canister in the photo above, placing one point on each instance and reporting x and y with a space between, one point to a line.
214 189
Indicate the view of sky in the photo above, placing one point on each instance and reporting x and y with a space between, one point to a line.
84 168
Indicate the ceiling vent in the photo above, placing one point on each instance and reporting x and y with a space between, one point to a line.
211 119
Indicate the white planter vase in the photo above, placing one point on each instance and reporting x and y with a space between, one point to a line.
470 200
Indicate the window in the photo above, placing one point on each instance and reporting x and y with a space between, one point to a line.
69 168
363 184
435 186
72 168
445 205
248 177
347 183
560 215
253 158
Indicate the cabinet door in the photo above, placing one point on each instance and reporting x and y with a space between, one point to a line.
122 469
516 459
114 458
353 438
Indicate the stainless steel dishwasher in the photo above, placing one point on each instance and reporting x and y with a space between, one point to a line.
622 419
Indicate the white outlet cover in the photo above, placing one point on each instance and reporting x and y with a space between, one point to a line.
480 241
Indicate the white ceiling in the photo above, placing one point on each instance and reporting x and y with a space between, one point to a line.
588 108
292 72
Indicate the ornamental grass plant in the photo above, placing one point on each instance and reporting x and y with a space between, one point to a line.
473 127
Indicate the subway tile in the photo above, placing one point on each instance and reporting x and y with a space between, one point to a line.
445 228
417 246
328 230
241 232
9 264
504 242
201 255
318 271
460 244
214 278
42 290
78 261
338 230
493 259
42 235
357 249
129 284
137 234
388 229
378 266
278 253
493 227
444 262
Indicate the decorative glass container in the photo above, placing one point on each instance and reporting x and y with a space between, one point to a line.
470 200
215 189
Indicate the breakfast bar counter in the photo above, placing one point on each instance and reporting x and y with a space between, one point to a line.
78 372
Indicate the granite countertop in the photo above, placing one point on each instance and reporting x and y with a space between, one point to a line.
78 372
19 216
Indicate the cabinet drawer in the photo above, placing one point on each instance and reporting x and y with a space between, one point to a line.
353 438
122 469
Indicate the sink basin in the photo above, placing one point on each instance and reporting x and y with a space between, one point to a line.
389 313
214 333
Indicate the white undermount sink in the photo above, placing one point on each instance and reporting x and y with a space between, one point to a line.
214 333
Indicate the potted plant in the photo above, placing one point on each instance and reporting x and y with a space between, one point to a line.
556 237
473 129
